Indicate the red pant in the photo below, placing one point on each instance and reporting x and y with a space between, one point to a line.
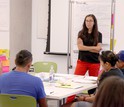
81 68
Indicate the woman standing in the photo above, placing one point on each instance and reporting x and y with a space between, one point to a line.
89 45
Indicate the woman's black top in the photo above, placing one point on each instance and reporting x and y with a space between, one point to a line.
86 55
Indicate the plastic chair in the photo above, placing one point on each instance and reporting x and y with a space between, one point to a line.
44 66
14 100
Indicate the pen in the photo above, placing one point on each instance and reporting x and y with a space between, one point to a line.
51 92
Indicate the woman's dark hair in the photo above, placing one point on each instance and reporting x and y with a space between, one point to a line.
23 58
108 56
84 30
110 93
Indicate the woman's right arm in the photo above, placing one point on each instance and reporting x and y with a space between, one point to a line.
82 47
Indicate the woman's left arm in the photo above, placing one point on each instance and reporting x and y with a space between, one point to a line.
97 49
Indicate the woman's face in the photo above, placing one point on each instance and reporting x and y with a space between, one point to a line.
89 22
105 66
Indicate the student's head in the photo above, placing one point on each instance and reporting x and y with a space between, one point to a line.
120 63
23 59
108 60
90 22
110 93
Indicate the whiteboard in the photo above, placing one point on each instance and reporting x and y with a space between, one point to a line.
80 8
59 26
119 26
60 15
4 15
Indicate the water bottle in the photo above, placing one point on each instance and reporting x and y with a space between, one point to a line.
51 74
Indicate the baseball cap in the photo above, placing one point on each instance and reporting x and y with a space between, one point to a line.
121 55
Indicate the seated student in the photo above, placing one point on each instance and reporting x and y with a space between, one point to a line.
120 63
107 60
19 82
110 93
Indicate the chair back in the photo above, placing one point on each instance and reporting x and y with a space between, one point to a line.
44 66
14 100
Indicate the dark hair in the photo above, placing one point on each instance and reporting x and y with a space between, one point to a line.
84 30
14 68
108 56
23 58
110 93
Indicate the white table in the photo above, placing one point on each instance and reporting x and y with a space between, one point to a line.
59 93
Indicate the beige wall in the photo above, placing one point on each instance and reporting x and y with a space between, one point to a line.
20 26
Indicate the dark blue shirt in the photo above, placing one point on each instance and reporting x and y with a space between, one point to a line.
112 72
